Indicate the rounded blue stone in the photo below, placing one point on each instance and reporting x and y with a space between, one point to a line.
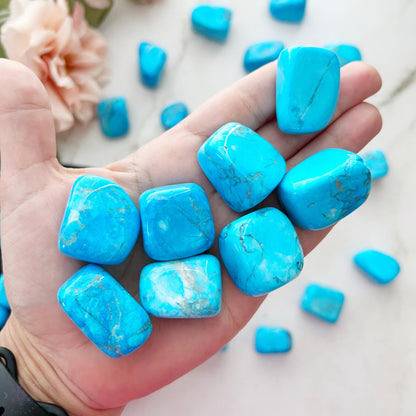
3 297
4 316
113 116
288 10
346 53
270 339
152 59
173 114
212 22
260 54
376 161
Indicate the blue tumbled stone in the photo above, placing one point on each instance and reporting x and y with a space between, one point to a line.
288 10
324 188
173 114
177 221
376 161
323 302
261 54
242 166
188 288
261 251
4 316
104 311
152 59
101 222
212 22
271 339
377 265
113 116
346 53
4 303
307 87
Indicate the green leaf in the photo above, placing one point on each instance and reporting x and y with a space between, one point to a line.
4 14
93 16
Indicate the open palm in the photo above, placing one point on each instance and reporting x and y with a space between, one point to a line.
57 362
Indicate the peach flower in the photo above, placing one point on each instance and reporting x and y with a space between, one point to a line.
65 53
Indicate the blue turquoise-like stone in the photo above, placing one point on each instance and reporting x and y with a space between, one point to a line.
152 59
324 188
113 116
4 303
307 87
288 10
104 311
376 161
188 288
173 114
379 266
4 316
177 221
242 166
212 22
224 348
270 339
346 53
261 54
323 302
261 251
101 222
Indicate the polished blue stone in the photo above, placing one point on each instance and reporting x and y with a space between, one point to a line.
379 266
288 10
188 288
242 166
260 54
323 302
113 116
261 251
104 311
270 339
173 114
4 316
177 221
4 303
307 87
152 59
212 22
346 53
376 161
324 188
101 222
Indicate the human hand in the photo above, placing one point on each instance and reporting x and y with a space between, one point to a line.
56 362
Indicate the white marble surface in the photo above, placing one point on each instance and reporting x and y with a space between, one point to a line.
366 363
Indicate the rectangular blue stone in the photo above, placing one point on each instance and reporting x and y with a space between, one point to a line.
272 340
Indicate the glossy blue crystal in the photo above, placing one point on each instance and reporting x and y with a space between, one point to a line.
307 87
324 188
346 53
323 302
288 10
4 303
177 221
242 166
376 161
152 59
379 266
270 339
101 222
261 251
212 22
104 311
173 114
261 53
188 288
113 116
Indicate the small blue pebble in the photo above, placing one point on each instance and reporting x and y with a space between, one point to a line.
271 339
173 114
306 99
224 348
324 188
4 316
242 166
288 10
177 221
376 161
104 311
152 59
113 116
4 303
189 288
261 54
346 53
323 302
101 222
261 251
212 22
381 267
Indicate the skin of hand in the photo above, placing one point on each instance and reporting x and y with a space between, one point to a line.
56 362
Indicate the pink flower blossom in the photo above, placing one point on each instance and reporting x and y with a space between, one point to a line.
65 53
